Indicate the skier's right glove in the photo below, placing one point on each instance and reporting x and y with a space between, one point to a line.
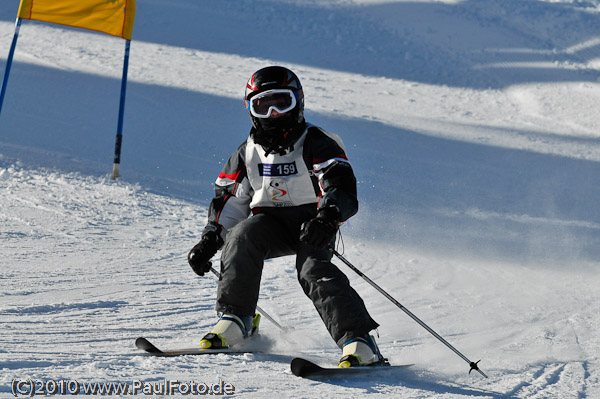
199 257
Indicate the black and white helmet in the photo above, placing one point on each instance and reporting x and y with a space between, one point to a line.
274 99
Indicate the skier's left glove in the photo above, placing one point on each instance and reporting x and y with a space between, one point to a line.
320 231
199 257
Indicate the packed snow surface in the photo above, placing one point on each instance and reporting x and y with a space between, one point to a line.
473 129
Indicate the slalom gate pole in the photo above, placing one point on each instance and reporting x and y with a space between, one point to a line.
473 365
9 61
119 138
261 311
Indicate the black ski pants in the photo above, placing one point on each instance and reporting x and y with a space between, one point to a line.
274 233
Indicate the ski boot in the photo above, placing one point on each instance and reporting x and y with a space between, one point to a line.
361 351
230 331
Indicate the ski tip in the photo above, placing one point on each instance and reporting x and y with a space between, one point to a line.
145 345
302 367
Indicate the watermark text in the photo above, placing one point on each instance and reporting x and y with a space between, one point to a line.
29 387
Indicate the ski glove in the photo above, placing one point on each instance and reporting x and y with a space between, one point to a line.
199 257
320 231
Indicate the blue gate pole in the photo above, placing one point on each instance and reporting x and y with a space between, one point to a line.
9 60
119 139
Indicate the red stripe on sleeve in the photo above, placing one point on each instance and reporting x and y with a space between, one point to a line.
233 176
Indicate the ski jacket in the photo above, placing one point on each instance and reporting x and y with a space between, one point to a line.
313 172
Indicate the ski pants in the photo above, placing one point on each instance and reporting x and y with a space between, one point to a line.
273 234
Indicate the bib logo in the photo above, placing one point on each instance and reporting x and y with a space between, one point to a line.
278 192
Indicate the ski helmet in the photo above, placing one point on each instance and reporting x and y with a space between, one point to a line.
276 80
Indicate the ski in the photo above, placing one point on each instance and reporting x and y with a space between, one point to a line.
305 368
151 349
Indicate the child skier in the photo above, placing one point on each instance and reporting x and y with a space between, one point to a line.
296 182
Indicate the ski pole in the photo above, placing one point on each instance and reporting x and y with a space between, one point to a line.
261 311
473 365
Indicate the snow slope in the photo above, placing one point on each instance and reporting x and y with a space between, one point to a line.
472 127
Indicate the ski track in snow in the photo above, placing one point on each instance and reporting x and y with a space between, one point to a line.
496 99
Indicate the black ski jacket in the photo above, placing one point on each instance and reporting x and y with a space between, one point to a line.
313 172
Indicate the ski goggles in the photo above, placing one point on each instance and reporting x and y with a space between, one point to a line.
263 104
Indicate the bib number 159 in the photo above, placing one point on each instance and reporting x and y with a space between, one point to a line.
277 169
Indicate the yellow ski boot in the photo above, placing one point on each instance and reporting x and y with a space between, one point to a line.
230 330
361 351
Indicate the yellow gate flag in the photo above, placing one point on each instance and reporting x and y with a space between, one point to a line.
114 17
